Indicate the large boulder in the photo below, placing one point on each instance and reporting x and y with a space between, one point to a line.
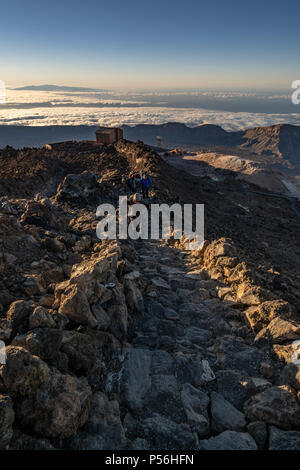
259 316
41 318
290 375
23 374
74 304
80 188
18 315
258 431
237 387
279 330
43 214
223 247
166 434
90 276
81 352
195 404
283 440
102 317
103 430
248 294
134 298
276 405
41 342
58 409
7 417
225 416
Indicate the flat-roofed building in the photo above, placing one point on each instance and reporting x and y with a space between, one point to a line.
108 135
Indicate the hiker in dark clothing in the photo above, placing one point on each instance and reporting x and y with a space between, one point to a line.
132 183
146 183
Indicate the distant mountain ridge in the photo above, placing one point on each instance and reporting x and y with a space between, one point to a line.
56 88
175 133
280 143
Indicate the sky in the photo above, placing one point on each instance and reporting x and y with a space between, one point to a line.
157 44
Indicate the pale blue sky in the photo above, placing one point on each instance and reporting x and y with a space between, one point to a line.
151 44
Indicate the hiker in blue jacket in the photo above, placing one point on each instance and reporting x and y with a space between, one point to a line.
146 182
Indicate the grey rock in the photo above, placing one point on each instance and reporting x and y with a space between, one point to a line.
162 363
197 336
234 386
160 283
290 375
136 379
234 353
171 314
21 441
283 440
195 404
192 370
166 434
276 405
229 440
156 308
134 298
103 430
258 431
101 316
163 387
81 188
237 387
225 416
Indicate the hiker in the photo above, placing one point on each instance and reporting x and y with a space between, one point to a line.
146 183
131 181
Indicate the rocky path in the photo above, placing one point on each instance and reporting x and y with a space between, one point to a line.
137 344
190 365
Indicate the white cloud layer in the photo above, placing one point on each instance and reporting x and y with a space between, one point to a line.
111 108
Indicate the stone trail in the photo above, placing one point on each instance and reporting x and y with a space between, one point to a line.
187 372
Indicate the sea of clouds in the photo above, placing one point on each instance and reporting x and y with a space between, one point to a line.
232 110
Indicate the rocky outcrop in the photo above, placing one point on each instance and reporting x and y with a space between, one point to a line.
103 429
81 188
276 405
58 409
23 374
42 213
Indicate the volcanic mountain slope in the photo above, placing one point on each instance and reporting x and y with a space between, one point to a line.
279 141
282 141
142 344
217 166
